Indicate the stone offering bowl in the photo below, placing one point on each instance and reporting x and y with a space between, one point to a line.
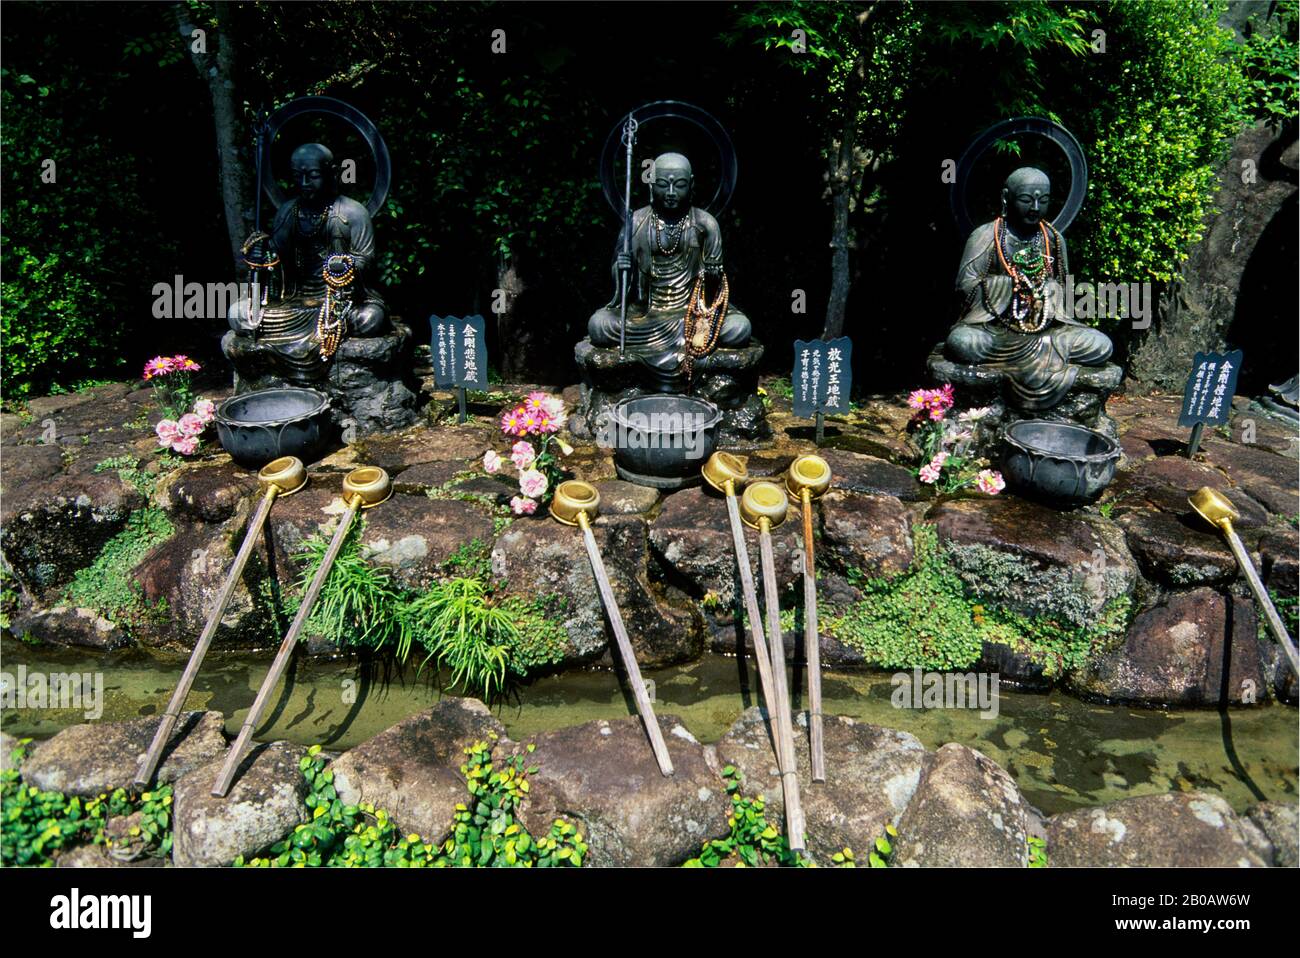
1058 461
258 427
662 440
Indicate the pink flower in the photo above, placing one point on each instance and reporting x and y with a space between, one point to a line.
168 432
187 446
522 454
491 462
939 459
522 506
191 425
990 481
553 406
185 364
929 474
158 366
533 483
512 422
917 399
205 409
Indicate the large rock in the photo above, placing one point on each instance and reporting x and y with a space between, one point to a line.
539 557
869 533
70 625
1036 560
187 572
625 498
452 442
691 535
90 759
1281 826
871 774
966 812
602 777
50 530
412 770
1177 550
414 535
264 804
1179 830
1174 655
207 492
877 477
1264 475
24 467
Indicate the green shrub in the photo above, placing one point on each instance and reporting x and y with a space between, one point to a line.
106 584
36 825
484 832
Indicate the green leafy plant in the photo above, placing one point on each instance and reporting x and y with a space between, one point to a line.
106 584
484 832
465 632
753 841
924 618
1037 852
882 851
36 825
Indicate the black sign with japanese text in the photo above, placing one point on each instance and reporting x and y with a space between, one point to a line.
1207 397
459 352
823 374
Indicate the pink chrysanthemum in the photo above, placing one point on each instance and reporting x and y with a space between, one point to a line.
158 366
523 506
990 481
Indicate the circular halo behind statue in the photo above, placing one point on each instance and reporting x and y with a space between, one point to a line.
676 110
1039 126
328 106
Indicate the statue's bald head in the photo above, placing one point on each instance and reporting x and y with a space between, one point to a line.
1025 196
670 190
313 173
1029 177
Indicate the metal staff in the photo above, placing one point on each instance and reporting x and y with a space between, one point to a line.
282 477
629 138
1215 509
722 472
764 506
808 478
575 504
362 488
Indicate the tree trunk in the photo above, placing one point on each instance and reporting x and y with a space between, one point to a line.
841 183
514 342
216 67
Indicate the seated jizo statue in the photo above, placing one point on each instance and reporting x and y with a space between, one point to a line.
678 299
324 245
1013 318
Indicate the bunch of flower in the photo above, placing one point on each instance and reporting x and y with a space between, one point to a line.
170 376
945 460
183 435
540 416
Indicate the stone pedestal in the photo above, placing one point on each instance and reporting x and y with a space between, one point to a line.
728 378
1084 404
370 379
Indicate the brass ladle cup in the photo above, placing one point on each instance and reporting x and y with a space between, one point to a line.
280 477
807 479
363 488
724 472
763 507
1215 509
576 503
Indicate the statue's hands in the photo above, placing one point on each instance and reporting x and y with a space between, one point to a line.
623 261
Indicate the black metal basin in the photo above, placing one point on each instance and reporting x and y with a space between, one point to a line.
1058 461
663 440
264 425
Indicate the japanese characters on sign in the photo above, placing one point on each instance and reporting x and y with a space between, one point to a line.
459 352
822 377
1208 395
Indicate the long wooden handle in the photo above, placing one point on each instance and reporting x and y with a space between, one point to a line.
812 645
144 775
794 823
272 679
625 650
1262 597
756 637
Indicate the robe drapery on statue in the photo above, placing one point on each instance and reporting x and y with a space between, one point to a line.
1040 367
288 328
660 287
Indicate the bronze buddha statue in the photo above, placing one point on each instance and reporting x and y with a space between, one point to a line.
1013 318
